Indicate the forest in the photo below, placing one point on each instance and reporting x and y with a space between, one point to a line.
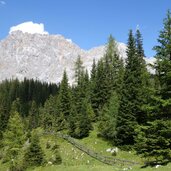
130 105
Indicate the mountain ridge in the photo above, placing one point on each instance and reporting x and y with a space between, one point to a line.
44 57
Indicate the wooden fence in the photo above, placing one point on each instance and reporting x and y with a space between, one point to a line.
105 159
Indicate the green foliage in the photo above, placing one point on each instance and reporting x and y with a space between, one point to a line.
16 165
73 119
13 137
108 118
163 56
134 92
90 113
64 97
154 141
107 76
50 116
56 158
80 123
23 93
78 68
33 116
34 155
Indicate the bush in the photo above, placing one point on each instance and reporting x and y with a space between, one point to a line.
48 145
56 146
16 166
56 158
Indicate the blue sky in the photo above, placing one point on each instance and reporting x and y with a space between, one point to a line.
89 22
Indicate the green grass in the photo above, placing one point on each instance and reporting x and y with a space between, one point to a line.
76 160
97 168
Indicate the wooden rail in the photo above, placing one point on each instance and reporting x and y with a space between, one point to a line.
104 159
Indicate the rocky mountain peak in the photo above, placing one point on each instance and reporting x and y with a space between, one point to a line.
44 56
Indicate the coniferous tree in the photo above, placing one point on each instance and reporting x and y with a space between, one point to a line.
48 113
131 98
108 118
34 155
154 138
73 119
163 56
16 106
64 98
14 136
108 76
3 120
78 68
81 113
83 124
33 116
93 92
139 44
98 93
144 86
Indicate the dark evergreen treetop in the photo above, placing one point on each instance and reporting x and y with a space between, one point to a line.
64 96
139 43
78 68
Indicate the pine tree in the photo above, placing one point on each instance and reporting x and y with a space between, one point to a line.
34 155
108 76
83 124
16 106
139 44
93 84
108 118
64 97
78 68
144 89
154 138
14 136
3 120
48 113
163 56
97 91
33 116
132 95
72 122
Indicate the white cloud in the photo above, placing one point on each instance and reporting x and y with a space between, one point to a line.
29 27
2 2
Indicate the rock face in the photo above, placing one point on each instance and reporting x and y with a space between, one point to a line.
44 57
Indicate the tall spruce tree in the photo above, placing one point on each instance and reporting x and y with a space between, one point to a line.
139 44
108 118
145 86
47 113
34 155
33 116
131 98
83 124
78 68
108 76
154 138
64 98
93 88
14 136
